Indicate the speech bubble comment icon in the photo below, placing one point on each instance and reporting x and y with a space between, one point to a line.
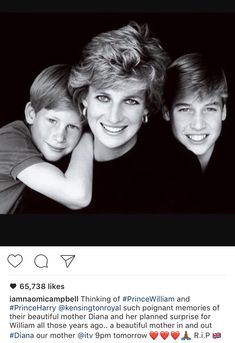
41 261
15 260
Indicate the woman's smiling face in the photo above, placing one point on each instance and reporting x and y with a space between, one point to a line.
115 114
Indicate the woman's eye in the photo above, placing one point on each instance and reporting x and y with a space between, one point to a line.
132 102
102 98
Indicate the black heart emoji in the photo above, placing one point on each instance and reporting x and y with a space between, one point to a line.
13 285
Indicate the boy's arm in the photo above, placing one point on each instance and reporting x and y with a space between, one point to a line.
73 188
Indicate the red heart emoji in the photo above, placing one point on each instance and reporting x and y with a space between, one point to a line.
175 334
153 334
164 334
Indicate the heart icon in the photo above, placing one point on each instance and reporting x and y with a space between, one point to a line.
164 334
15 260
153 334
175 334
13 285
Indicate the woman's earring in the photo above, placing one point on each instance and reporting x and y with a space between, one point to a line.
145 119
84 112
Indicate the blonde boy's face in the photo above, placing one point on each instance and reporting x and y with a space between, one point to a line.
55 132
197 123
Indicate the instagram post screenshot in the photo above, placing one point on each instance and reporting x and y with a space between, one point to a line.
117 174
117 294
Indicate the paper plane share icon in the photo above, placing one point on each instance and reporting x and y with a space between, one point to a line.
68 259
